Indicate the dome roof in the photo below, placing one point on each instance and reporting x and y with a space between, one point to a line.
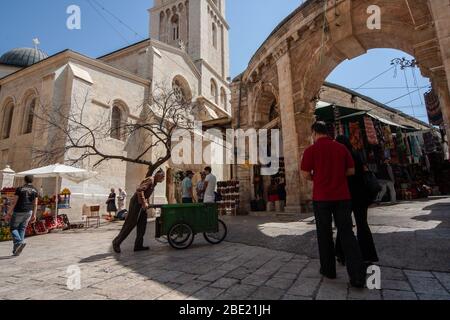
23 57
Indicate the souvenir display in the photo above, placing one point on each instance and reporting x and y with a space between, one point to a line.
229 192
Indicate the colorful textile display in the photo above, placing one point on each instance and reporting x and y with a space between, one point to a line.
388 139
432 143
401 146
433 108
415 143
355 136
380 132
371 133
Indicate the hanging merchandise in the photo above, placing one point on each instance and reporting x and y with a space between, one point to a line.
380 133
388 139
401 146
429 142
416 148
355 136
433 108
338 130
371 133
346 130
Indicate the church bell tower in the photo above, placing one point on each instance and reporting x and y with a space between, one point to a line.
198 27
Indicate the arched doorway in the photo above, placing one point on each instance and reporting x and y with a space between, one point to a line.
309 44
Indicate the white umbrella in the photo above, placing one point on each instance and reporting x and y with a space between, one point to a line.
59 171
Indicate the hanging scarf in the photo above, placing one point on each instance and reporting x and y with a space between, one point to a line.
355 136
401 146
388 140
371 133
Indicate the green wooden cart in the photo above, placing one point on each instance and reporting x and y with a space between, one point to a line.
181 223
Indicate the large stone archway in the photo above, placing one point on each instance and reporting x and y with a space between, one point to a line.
306 47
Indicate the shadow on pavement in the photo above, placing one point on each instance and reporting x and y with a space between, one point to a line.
412 242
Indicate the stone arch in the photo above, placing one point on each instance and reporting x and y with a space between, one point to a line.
119 117
7 117
162 26
175 27
29 104
214 34
311 42
214 91
223 99
266 97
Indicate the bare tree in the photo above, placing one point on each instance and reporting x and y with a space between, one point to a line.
75 133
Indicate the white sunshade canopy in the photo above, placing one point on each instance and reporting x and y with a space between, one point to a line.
59 170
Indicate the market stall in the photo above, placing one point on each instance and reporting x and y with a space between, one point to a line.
415 155
48 214
229 192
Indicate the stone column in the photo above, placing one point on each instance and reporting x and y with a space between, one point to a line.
290 142
440 10
304 122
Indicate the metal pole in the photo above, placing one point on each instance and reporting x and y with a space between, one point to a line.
57 198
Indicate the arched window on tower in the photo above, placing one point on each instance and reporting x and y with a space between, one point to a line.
175 27
214 93
7 120
28 120
223 98
117 131
214 35
162 24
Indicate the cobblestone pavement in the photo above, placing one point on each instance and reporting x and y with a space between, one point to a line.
237 270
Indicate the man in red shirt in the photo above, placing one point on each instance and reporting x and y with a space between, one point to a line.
328 164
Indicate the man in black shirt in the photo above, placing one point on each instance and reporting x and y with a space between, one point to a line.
22 210
386 180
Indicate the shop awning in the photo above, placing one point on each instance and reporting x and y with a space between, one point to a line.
324 111
386 121
59 171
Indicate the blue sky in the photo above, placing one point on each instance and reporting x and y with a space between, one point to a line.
251 22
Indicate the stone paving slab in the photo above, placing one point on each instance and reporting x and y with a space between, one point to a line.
230 271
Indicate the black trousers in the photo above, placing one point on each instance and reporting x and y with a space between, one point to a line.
341 211
137 218
364 234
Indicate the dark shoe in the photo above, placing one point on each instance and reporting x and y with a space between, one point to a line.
19 249
341 261
329 276
15 248
116 248
359 284
141 249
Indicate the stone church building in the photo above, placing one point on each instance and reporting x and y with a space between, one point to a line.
187 48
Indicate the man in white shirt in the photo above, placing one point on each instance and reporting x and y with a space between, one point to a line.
122 199
210 186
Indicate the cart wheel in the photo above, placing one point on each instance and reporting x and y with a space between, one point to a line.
181 236
217 237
